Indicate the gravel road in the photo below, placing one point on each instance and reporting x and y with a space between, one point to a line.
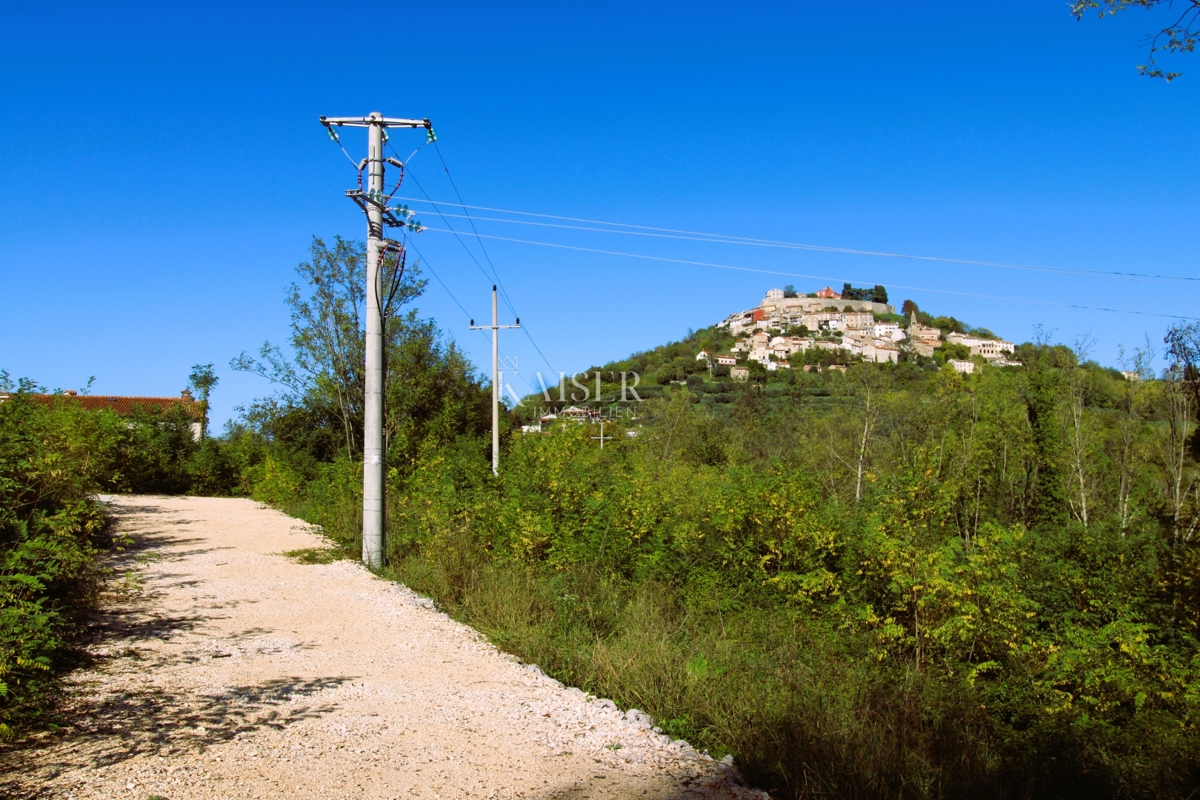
222 669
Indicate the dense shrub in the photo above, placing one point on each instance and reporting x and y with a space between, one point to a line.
52 457
950 625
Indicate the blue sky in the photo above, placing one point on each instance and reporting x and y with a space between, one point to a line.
163 170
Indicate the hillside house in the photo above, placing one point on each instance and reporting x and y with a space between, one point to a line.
579 414
960 366
887 330
880 353
727 361
989 349
740 373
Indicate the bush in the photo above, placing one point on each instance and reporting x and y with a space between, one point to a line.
51 459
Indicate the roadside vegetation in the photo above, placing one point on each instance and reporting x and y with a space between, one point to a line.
887 581
55 457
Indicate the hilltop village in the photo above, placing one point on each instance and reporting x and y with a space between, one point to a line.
854 322
785 335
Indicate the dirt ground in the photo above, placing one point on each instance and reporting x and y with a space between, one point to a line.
222 669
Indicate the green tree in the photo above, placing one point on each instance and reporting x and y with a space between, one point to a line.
202 380
1178 36
325 370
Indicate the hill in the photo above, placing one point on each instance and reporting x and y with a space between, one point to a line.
804 363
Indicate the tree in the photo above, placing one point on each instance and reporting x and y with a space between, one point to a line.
1077 425
1182 410
879 294
1131 424
202 380
909 308
789 291
1042 391
328 341
1180 35
869 383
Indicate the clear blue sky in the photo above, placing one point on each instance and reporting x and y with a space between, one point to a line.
163 171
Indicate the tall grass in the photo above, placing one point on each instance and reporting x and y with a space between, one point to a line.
803 718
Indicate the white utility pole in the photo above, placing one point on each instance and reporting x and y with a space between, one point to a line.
374 203
495 328
602 437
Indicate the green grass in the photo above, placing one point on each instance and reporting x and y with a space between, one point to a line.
319 555
803 718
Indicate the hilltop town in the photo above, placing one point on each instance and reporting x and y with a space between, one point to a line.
858 323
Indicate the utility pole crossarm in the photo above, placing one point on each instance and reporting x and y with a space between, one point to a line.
386 122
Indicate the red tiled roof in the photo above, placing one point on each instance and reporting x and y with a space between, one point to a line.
125 406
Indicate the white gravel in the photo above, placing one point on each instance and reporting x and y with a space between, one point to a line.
223 670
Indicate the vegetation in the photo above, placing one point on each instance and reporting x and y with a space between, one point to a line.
877 294
54 457
1179 35
888 580
882 581
50 532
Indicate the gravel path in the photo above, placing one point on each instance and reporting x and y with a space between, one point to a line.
224 670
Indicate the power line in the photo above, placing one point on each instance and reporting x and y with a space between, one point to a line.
819 277
457 194
500 283
673 233
716 239
438 211
495 275
425 262
467 314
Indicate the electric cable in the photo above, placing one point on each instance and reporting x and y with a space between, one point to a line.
819 277
745 240
467 314
457 194
494 277
407 241
500 283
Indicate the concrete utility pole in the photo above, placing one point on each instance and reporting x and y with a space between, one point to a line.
495 327
374 203
602 437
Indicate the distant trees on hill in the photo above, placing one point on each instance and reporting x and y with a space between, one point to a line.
876 295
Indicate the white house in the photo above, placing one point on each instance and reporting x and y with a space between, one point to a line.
760 354
965 367
887 330
990 349
880 353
